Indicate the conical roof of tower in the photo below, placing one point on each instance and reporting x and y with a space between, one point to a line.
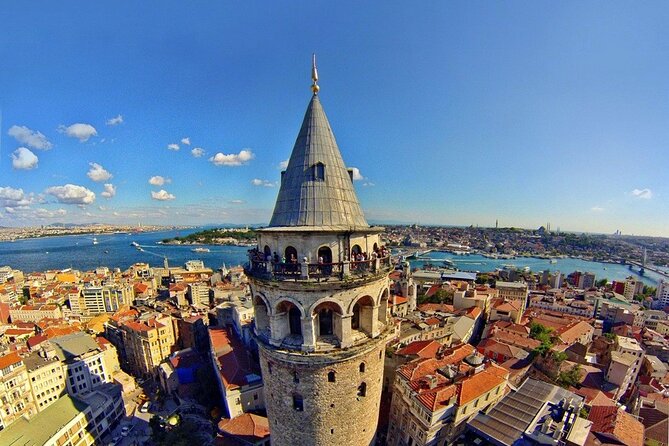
315 196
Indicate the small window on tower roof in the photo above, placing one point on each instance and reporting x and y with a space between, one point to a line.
318 171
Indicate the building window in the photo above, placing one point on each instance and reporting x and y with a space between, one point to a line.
362 389
362 367
298 404
331 376
319 171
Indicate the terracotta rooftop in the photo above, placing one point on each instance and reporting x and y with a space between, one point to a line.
615 421
247 427
9 359
423 349
482 382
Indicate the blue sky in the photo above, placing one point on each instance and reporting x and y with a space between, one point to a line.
453 112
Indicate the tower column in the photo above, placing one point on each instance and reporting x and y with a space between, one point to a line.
279 328
308 335
346 340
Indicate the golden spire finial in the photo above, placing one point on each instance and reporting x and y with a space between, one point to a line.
314 75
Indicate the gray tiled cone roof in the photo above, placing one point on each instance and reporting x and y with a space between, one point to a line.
303 201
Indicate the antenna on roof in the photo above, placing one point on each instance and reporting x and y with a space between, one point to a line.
314 75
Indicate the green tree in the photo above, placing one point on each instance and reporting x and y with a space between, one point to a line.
570 378
602 283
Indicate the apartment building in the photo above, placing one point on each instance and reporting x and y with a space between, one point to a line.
147 342
16 399
47 379
433 398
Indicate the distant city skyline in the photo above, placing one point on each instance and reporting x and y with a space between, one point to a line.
452 114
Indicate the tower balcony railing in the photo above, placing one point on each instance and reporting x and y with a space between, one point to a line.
270 270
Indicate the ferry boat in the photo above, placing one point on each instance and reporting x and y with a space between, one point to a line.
135 244
200 250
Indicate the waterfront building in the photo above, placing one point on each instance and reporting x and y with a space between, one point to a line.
433 398
662 294
632 288
586 281
322 300
16 399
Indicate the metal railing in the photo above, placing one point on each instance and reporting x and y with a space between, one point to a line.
315 271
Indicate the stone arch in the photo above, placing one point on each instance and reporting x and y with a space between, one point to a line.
267 251
326 253
262 313
288 314
384 299
290 253
327 320
356 249
362 318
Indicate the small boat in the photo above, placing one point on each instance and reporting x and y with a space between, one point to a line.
106 251
553 261
135 244
95 241
200 250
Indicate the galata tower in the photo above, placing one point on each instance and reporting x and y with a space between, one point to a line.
319 280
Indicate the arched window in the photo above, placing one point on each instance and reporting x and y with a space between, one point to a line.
267 251
362 367
325 253
291 254
295 321
355 251
362 389
325 319
331 376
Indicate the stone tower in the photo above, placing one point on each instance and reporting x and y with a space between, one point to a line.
321 313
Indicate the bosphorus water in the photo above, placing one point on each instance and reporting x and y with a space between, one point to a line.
111 250
115 251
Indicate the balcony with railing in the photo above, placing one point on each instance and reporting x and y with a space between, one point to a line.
315 272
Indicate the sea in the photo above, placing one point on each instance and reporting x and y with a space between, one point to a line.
116 251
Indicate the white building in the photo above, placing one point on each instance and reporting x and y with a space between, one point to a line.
662 294
625 364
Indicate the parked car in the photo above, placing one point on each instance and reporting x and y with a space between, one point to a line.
144 408
126 430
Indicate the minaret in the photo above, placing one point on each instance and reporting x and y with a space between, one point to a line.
321 316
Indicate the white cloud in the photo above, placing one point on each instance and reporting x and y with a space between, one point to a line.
14 198
174 147
644 194
237 201
162 195
24 159
197 152
357 176
45 213
221 159
259 182
98 173
110 190
283 164
115 121
185 141
159 181
597 209
72 194
31 138
368 184
82 132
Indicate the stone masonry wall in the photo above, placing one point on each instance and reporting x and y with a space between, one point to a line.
333 413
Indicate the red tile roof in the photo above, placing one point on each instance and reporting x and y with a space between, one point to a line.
9 359
481 383
247 427
615 421
423 349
